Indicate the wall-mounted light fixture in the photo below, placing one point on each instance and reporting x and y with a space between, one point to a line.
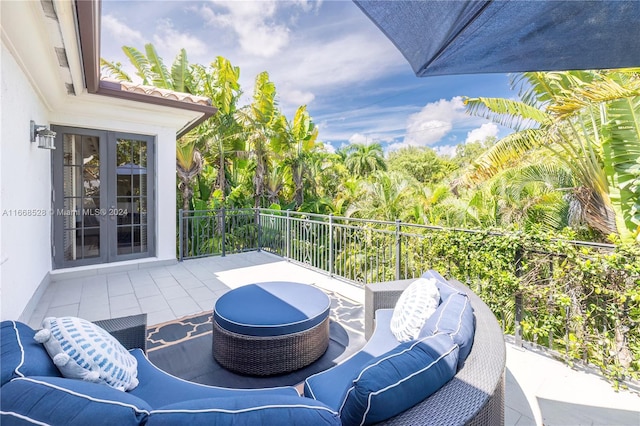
45 136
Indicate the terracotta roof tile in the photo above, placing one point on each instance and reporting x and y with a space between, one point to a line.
126 86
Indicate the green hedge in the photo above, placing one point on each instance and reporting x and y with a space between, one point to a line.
581 301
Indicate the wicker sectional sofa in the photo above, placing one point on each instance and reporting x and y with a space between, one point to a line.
473 377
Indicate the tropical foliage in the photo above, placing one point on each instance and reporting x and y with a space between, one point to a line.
570 171
585 121
573 160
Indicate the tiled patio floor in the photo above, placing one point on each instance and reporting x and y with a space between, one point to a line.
539 390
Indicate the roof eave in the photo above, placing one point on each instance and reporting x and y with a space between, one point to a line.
88 12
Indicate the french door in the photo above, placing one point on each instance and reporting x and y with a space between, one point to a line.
102 197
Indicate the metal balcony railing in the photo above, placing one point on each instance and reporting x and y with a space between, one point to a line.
520 282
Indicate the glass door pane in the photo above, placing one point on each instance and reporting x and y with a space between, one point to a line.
80 211
131 196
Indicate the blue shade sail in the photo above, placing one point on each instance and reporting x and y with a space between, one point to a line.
470 37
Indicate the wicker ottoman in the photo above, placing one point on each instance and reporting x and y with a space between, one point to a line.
270 328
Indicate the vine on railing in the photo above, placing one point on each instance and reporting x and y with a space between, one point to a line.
579 299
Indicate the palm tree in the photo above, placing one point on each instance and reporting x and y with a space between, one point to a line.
294 141
258 119
362 159
587 120
384 197
221 135
189 164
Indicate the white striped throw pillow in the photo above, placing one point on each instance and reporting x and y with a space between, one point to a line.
82 350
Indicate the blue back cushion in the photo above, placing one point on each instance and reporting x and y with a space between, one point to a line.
399 379
249 411
21 355
444 287
61 401
454 317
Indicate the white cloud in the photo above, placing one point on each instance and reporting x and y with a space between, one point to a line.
169 40
445 150
434 121
328 147
359 138
309 5
120 31
295 96
253 23
482 133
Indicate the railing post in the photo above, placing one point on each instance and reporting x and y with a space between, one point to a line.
223 222
398 249
180 235
518 297
331 244
288 236
259 226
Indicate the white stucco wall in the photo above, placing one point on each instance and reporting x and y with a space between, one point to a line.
33 89
25 187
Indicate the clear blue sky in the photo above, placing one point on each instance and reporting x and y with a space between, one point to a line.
325 54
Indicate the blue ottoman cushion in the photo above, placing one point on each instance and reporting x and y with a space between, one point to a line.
246 411
271 309
21 355
62 401
399 379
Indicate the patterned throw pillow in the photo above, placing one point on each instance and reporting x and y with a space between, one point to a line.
417 303
82 350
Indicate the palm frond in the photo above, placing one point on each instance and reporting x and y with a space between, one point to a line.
160 74
140 62
504 154
507 112
621 148
180 72
114 69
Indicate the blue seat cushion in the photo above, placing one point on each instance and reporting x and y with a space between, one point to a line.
330 386
454 317
62 401
21 355
246 411
158 388
399 379
271 309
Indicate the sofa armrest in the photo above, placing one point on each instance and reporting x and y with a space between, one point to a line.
381 296
130 331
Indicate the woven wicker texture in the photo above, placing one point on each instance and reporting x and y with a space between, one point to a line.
130 331
475 396
264 356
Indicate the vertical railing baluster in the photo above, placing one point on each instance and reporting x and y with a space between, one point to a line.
518 297
331 254
180 235
398 249
223 222
259 229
